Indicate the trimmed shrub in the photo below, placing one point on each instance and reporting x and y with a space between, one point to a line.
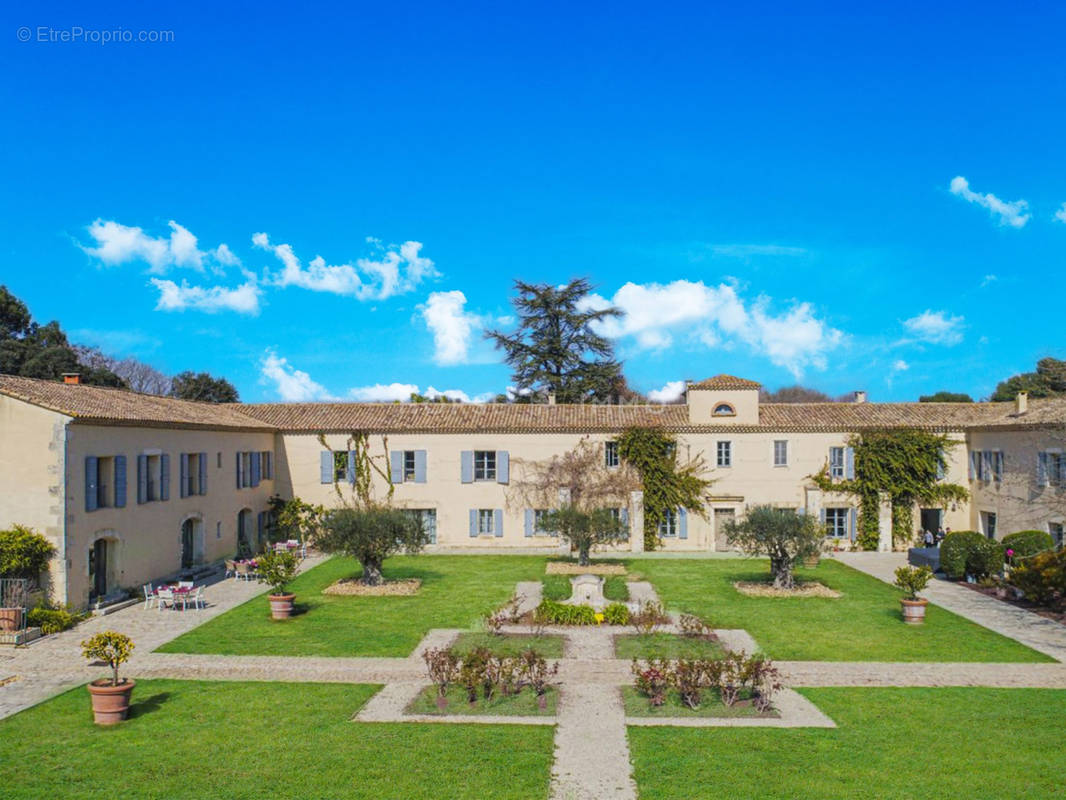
23 553
52 620
955 550
549 612
1028 543
1042 578
986 559
616 614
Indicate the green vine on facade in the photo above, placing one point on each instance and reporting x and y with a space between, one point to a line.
667 484
907 465
359 467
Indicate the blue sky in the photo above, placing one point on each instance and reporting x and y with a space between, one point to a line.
769 190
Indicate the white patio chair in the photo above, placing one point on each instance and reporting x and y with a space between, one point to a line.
198 598
149 596
231 568
164 596
185 584
244 571
281 547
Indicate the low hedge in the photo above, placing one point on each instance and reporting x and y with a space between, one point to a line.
955 551
1028 543
986 559
52 620
550 612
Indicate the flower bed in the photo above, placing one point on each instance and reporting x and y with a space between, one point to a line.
570 568
523 704
355 586
637 705
804 589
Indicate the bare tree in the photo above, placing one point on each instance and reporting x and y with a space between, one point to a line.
577 478
140 377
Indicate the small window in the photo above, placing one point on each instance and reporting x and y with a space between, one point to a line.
154 477
724 410
408 465
1058 532
618 514
781 453
428 517
988 524
340 466
836 463
539 515
218 461
105 475
836 522
192 477
725 454
267 462
668 525
246 469
486 521
610 454
484 465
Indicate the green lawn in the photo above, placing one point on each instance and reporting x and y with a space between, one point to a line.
861 625
523 704
510 644
891 744
665 645
457 592
245 741
558 587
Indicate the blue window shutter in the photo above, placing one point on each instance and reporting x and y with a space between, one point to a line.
325 469
183 474
466 466
1041 469
396 466
851 523
503 466
257 467
164 476
92 478
999 465
202 461
351 467
497 522
623 515
259 527
682 518
142 479
240 471
530 516
849 463
974 456
420 466
120 481
270 464
473 523
821 516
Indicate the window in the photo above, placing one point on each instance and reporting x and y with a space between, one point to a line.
246 469
428 517
836 463
218 461
340 466
610 454
408 465
836 522
620 515
266 460
192 475
539 515
105 475
486 522
668 526
781 453
724 410
725 454
154 478
988 524
1051 469
484 465
1058 533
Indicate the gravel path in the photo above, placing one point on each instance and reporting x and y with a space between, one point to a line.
591 751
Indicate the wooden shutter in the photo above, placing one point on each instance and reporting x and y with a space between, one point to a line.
142 479
849 463
1041 469
92 480
530 517
975 455
473 523
183 475
240 471
420 466
497 522
351 467
682 522
852 514
466 466
202 464
396 466
164 476
120 481
503 466
325 467
256 463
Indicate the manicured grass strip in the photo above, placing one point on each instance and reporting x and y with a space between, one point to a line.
558 587
891 744
665 645
246 741
616 588
861 625
457 592
711 705
510 644
523 704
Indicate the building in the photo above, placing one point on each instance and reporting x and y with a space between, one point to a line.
131 488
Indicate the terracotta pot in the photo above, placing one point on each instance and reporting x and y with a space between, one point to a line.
111 704
9 619
914 611
281 605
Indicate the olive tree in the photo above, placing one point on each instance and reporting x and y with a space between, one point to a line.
585 529
370 535
780 534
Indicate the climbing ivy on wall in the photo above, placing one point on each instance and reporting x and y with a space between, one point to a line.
903 463
666 483
364 466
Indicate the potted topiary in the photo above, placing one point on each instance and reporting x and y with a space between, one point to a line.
912 580
110 696
277 569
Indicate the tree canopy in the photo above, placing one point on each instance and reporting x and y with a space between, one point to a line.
794 394
781 535
945 397
203 387
1049 380
370 535
555 349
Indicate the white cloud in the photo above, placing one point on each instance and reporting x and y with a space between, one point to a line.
899 365
244 299
121 244
716 316
670 392
292 385
383 393
988 279
1060 215
935 327
397 270
1015 214
451 325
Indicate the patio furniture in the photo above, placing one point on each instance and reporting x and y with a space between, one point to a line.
198 598
231 568
149 596
281 547
185 584
245 571
163 596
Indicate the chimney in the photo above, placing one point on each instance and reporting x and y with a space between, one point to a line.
551 398
860 396
1021 403
72 378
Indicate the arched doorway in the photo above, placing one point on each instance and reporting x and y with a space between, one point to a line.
245 532
192 542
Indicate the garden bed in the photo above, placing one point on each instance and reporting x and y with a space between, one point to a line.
523 704
510 644
356 587
803 589
1043 611
665 645
571 568
637 705
558 587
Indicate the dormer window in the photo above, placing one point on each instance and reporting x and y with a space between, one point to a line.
724 410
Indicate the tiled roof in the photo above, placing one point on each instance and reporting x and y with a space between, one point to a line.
122 407
725 382
932 416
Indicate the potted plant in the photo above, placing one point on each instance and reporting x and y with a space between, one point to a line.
277 569
912 580
110 696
